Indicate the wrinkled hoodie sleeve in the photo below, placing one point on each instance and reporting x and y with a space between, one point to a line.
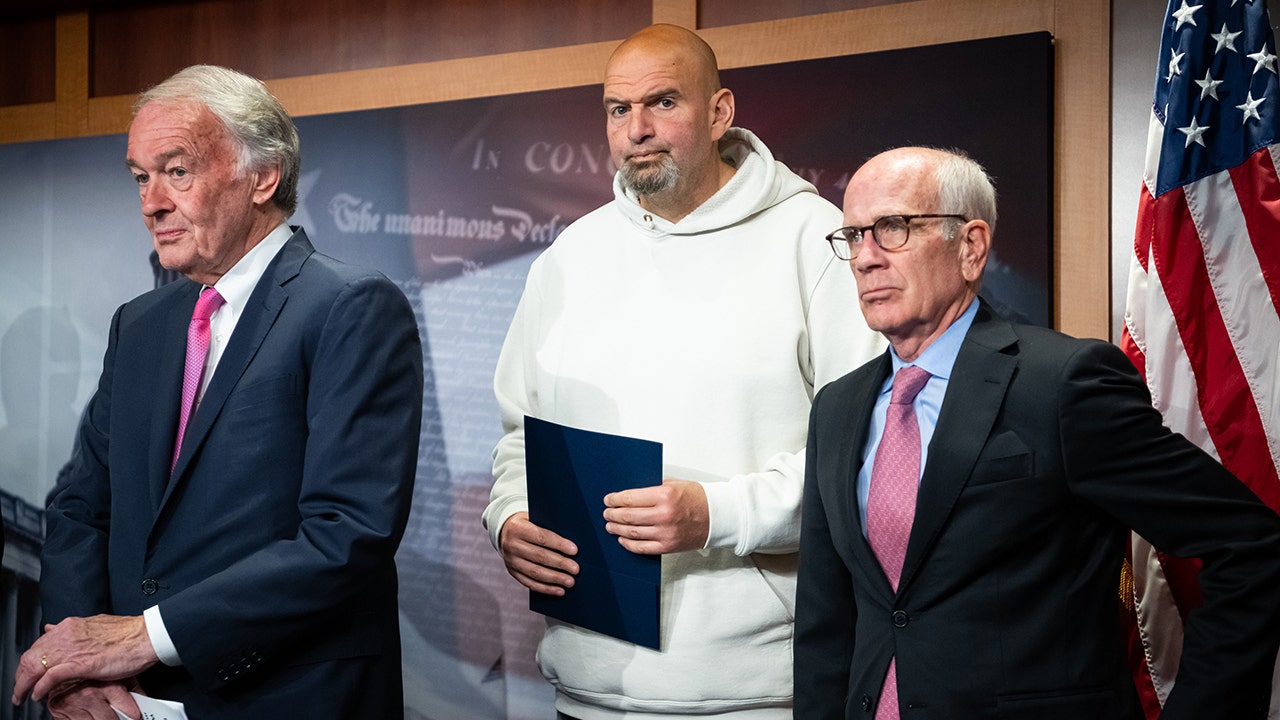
513 391
760 511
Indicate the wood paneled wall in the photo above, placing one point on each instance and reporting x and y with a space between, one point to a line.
326 56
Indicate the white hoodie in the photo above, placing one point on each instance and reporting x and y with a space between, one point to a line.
711 336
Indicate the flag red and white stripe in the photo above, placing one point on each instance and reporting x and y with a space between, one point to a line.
1201 318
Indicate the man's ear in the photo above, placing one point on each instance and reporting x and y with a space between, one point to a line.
721 107
265 181
975 242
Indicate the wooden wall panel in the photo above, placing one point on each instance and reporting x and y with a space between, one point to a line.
676 12
72 88
25 123
135 48
26 62
1082 169
717 13
884 27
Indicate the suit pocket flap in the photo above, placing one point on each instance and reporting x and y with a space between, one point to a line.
1006 457
1066 704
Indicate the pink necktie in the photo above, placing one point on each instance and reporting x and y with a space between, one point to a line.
891 502
197 353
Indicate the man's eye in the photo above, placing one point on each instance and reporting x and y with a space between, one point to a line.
666 103
141 179
178 172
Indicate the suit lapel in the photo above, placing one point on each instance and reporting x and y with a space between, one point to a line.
975 394
264 306
854 441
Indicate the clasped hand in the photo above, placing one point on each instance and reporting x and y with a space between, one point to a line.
84 662
667 518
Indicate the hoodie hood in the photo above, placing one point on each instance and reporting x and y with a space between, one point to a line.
759 183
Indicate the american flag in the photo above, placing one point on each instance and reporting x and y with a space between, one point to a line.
1204 283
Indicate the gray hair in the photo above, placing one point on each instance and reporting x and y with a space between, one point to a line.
253 117
965 188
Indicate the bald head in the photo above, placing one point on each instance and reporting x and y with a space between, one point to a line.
666 113
678 49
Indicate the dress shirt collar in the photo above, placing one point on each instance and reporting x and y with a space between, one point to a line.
940 356
238 283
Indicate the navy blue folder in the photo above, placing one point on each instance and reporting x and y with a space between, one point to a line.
569 471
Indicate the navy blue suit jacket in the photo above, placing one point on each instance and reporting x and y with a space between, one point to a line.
1046 453
270 549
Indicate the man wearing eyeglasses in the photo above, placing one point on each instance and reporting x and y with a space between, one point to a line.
700 308
969 494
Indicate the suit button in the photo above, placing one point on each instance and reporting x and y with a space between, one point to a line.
149 587
900 619
866 703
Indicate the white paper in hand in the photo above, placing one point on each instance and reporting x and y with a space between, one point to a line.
153 709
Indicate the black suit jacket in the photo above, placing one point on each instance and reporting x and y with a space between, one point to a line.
270 549
1046 452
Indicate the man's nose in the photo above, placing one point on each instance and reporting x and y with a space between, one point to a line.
155 198
868 254
639 125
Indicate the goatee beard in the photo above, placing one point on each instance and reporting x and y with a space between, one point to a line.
650 178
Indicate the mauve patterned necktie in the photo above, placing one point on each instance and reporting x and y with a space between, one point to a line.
197 353
891 502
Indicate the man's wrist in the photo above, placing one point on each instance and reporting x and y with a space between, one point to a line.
159 637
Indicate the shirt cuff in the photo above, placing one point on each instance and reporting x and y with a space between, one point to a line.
160 640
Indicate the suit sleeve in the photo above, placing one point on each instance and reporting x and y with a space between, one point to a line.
1186 504
74 581
826 611
363 417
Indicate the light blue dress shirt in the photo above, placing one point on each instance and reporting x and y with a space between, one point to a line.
937 360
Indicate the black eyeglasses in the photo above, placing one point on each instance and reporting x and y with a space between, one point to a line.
890 233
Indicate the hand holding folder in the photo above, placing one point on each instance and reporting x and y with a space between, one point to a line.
569 471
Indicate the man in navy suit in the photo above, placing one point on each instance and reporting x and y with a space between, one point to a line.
1037 453
247 570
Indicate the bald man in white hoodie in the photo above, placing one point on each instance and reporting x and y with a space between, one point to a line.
701 308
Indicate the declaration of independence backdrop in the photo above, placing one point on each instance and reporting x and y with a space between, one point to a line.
454 201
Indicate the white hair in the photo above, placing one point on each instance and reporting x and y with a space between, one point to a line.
253 117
